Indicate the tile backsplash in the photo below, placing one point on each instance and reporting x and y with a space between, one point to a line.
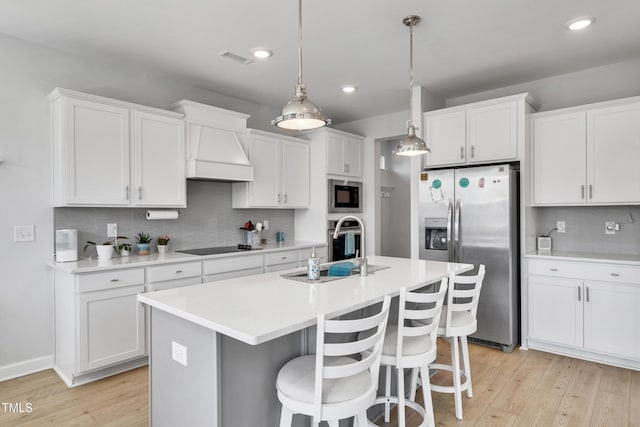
585 228
208 220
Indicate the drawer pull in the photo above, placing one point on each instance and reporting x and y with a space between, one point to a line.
553 269
587 294
615 274
579 294
178 271
284 257
115 280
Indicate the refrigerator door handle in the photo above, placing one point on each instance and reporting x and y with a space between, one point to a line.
456 231
449 225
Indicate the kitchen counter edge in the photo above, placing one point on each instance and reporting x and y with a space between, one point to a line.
117 262
608 258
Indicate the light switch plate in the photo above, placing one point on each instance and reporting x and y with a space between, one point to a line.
179 353
24 233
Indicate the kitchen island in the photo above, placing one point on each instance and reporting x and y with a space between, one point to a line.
216 348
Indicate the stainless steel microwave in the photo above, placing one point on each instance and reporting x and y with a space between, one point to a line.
345 196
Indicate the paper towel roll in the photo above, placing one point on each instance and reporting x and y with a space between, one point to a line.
162 214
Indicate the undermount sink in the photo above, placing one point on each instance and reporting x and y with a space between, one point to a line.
301 275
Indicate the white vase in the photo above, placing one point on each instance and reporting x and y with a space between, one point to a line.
124 252
104 251
162 249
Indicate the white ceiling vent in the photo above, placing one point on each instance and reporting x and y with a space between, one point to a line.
234 57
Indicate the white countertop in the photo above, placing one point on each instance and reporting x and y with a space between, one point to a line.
94 264
259 308
609 258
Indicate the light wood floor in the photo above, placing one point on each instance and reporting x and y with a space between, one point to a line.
524 388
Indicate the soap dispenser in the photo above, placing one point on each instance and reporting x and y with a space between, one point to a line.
313 266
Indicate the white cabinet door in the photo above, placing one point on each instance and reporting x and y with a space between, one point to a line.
295 170
559 159
445 135
96 141
492 132
335 155
111 327
612 318
555 310
613 154
353 156
159 165
266 157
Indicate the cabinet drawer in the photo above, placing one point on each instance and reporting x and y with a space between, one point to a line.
283 257
161 273
110 279
232 264
171 284
589 271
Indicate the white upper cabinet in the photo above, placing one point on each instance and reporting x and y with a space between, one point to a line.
587 155
112 153
281 173
344 154
483 132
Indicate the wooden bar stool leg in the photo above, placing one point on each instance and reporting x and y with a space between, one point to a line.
362 420
286 417
467 365
387 393
455 362
426 395
414 384
401 406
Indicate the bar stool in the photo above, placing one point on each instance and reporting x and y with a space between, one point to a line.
457 321
332 385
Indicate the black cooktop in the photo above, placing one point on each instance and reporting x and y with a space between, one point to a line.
218 250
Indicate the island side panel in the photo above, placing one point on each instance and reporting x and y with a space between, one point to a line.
183 395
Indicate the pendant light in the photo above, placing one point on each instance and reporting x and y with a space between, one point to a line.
300 113
411 145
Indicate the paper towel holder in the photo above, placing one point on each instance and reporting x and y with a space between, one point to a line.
160 214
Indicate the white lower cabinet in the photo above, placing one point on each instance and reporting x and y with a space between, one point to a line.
279 261
111 327
228 268
571 313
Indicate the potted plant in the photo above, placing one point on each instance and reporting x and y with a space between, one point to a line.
124 249
143 245
163 244
104 250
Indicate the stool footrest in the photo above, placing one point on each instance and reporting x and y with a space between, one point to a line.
409 403
464 385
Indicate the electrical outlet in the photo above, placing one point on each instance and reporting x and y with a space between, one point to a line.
24 233
265 224
179 353
112 230
611 227
560 226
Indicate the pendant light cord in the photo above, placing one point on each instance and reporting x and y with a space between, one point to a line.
411 24
299 42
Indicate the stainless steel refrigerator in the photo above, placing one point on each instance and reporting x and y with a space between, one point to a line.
470 215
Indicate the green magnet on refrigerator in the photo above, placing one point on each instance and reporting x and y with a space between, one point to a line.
464 182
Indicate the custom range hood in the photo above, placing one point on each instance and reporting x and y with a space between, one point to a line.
215 142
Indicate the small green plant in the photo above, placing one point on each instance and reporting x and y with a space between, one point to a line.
163 240
108 242
143 237
124 247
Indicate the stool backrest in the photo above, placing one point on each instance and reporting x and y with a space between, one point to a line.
465 297
370 345
418 315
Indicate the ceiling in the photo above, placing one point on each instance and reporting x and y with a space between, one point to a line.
460 47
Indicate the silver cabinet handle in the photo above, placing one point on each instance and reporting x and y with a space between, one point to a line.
590 191
582 191
473 151
284 257
462 153
178 271
278 197
126 192
615 274
139 193
579 294
587 294
115 280
553 269
285 197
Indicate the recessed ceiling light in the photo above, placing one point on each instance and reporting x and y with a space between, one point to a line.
580 23
348 88
261 53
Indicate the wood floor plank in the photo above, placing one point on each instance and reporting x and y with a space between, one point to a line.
612 401
540 409
577 404
634 400
496 417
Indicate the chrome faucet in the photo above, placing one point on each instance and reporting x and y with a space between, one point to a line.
363 258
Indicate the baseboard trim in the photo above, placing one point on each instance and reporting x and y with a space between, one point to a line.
26 367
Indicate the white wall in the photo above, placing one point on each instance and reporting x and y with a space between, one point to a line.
28 74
